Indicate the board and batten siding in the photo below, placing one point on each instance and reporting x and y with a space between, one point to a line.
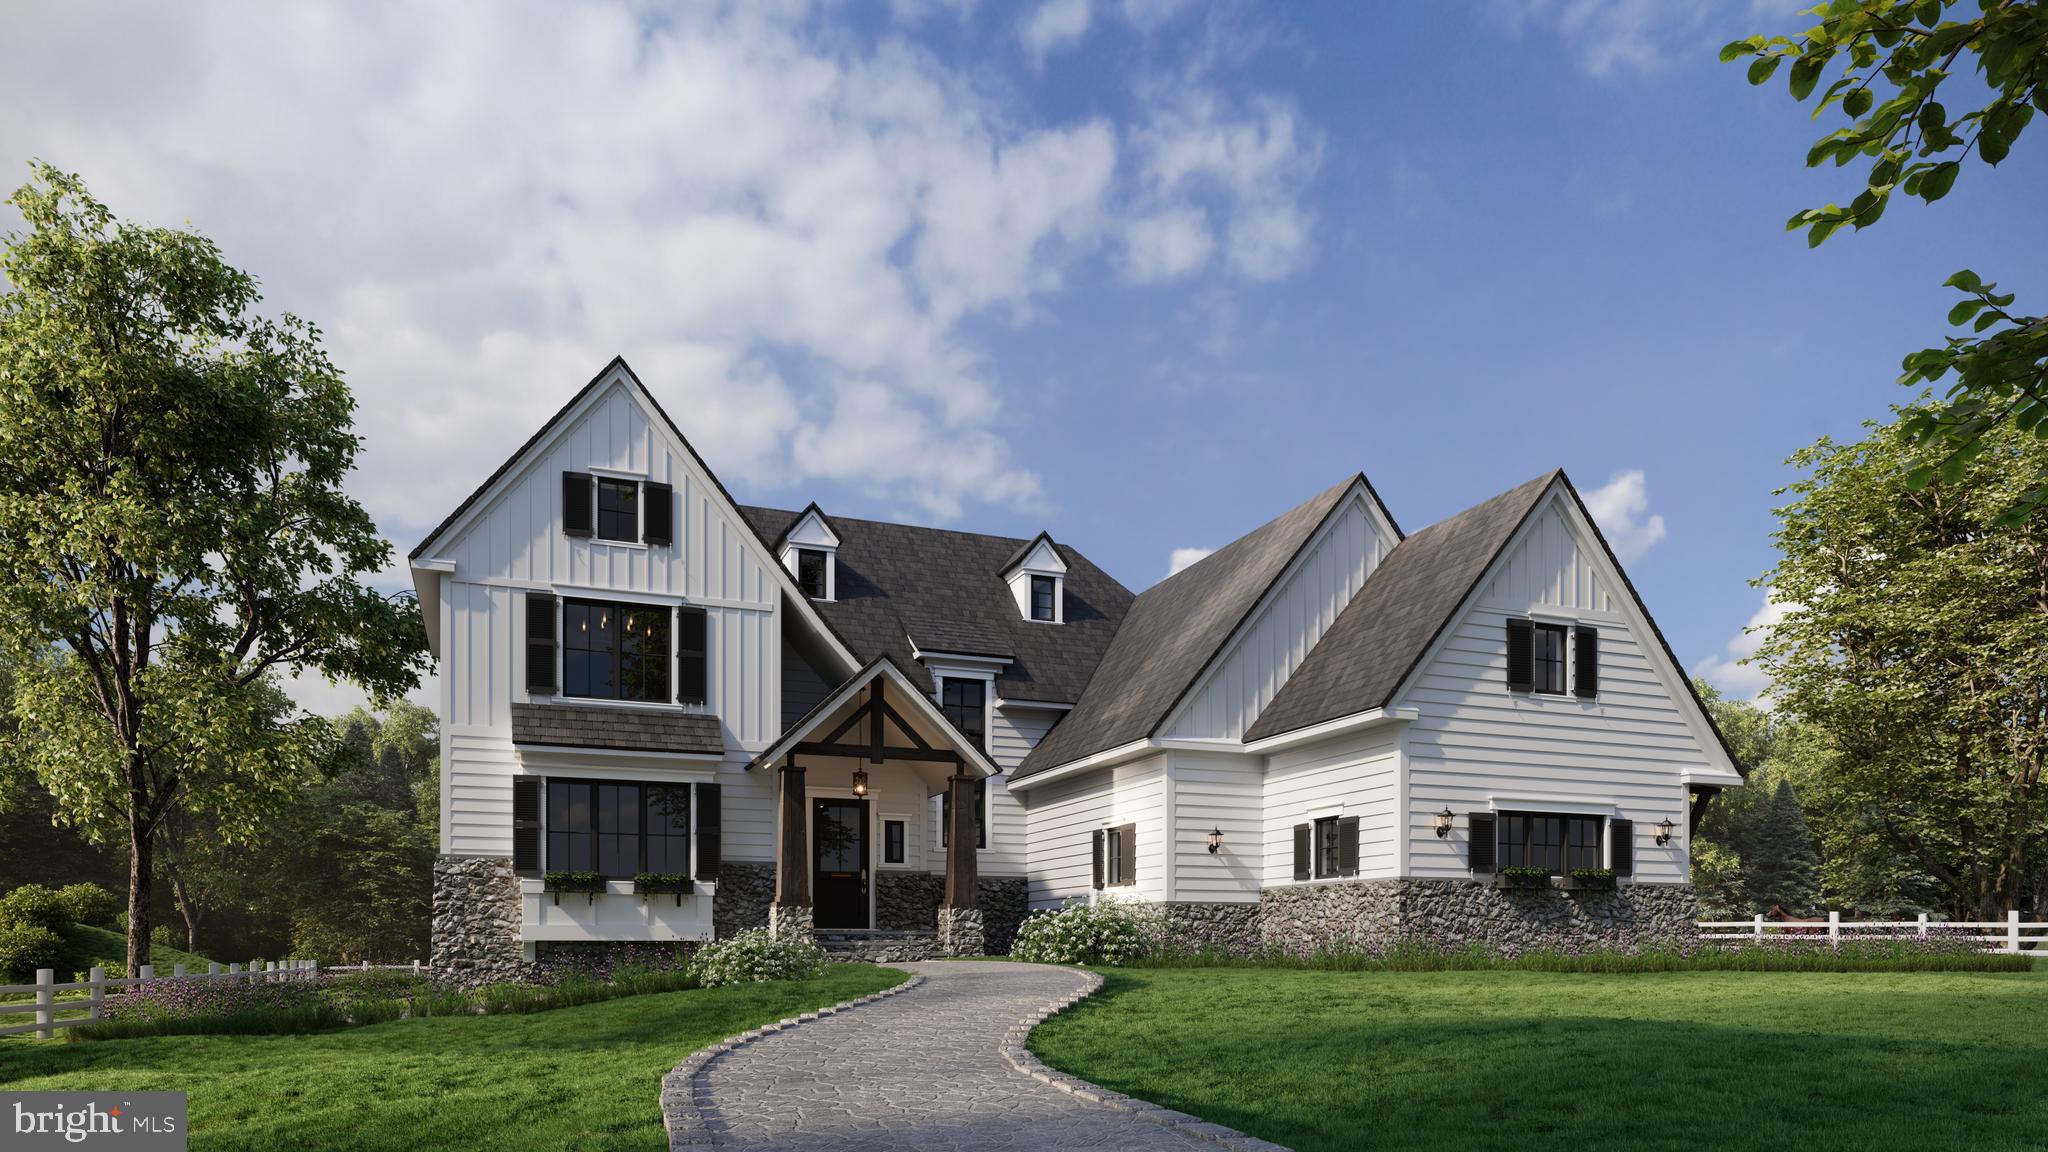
512 543
1295 614
1014 730
1060 820
1476 745
1219 792
1355 774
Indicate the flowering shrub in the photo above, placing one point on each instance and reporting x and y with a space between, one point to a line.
34 906
27 948
1105 932
194 999
754 956
88 903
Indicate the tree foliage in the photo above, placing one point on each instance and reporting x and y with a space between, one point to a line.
1918 645
173 530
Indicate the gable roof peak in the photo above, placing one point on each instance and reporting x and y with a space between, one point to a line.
1023 553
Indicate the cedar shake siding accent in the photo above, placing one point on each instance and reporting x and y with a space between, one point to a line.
624 729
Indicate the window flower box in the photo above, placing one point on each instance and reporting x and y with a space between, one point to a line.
1524 879
588 883
675 884
1592 880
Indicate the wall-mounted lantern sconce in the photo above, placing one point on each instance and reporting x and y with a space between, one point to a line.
1443 823
1215 840
860 782
1664 829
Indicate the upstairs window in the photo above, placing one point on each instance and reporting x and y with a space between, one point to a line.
965 703
810 572
1536 657
1043 589
1548 666
615 651
618 510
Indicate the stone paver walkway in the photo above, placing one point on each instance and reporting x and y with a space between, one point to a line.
923 1069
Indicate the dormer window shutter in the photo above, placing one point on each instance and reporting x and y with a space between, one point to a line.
1586 662
1483 850
1521 655
693 673
540 644
579 504
658 516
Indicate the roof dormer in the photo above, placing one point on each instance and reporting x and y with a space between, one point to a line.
1038 581
810 550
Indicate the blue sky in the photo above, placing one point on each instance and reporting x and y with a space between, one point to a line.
1140 272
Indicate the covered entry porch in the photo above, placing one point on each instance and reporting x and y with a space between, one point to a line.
855 779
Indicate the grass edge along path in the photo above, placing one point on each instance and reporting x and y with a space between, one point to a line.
587 1077
1322 1061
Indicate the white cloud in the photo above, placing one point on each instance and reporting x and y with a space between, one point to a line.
1644 37
1053 25
1145 15
1622 509
1727 671
1184 558
1208 168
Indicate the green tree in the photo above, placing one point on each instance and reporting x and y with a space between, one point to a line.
173 530
1918 646
1781 867
1894 59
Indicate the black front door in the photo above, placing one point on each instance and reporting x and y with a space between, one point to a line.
839 849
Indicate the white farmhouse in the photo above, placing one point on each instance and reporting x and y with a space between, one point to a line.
668 717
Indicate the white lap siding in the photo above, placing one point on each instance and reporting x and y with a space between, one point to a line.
1217 792
1351 775
1061 818
1477 745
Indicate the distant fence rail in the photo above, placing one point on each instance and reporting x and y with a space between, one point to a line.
2011 934
53 1011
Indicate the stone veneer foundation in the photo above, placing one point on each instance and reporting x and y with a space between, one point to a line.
961 932
745 889
1455 912
476 921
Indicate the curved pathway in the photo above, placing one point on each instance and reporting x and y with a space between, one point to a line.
938 1065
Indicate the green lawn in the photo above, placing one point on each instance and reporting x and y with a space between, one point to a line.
573 1078
1463 1060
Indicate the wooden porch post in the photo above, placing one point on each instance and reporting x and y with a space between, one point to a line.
791 912
962 879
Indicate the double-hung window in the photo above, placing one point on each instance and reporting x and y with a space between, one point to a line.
810 572
1547 658
618 509
617 829
965 703
615 651
1043 590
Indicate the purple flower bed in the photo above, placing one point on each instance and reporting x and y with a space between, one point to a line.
609 963
184 999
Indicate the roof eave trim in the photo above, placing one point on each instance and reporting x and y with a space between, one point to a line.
1107 758
597 752
1342 725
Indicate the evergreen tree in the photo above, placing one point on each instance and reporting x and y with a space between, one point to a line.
1782 866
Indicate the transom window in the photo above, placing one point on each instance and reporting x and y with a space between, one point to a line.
1547 658
1042 591
618 830
615 651
618 509
1556 844
810 572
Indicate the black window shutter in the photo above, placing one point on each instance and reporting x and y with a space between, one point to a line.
1483 850
1127 854
693 671
1622 843
579 504
1302 836
1521 655
526 825
1099 834
708 846
658 517
1586 661
1347 846
540 643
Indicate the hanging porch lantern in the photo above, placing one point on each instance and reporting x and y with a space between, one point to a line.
860 782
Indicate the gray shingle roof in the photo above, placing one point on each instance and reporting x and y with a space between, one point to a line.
1378 638
943 591
628 729
1172 632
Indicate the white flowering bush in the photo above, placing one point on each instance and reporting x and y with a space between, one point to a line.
1106 932
753 956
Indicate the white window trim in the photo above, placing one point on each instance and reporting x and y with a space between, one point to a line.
883 822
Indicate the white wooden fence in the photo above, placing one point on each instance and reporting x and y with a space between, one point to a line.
2011 934
47 1005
